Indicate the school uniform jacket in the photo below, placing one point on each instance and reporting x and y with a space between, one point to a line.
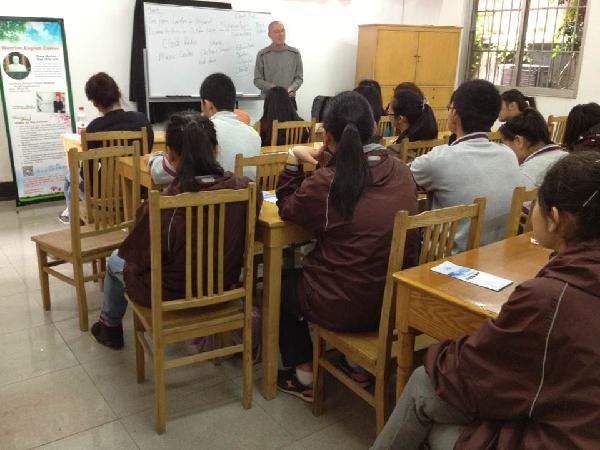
531 377
343 277
135 250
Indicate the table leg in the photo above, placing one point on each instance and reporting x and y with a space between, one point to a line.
406 338
271 303
127 187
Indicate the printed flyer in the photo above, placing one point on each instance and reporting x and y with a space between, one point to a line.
37 104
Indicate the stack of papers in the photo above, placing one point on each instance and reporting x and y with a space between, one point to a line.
472 276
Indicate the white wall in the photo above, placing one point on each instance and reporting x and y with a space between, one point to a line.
325 31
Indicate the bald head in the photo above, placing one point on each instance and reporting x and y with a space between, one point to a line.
277 33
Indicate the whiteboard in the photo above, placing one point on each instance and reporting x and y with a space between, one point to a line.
185 44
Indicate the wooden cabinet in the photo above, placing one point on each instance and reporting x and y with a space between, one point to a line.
425 55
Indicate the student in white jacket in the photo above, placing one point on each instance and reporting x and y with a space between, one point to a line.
472 166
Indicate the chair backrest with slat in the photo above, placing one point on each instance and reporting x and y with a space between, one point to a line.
411 150
268 168
116 139
256 126
438 230
519 217
384 123
495 136
558 124
103 190
294 130
442 124
205 215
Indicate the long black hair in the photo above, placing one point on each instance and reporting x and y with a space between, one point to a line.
573 185
581 118
530 124
515 96
421 120
277 106
373 97
349 120
194 139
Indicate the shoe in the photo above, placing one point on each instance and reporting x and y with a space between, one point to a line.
358 374
63 217
288 382
108 336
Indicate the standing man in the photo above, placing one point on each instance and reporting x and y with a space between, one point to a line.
278 64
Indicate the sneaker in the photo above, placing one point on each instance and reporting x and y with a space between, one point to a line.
108 336
288 382
358 374
63 217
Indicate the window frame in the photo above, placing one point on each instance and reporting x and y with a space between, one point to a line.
527 90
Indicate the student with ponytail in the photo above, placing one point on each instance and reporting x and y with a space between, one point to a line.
527 135
527 379
513 104
412 116
191 143
349 203
582 131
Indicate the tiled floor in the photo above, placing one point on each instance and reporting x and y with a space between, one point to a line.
61 390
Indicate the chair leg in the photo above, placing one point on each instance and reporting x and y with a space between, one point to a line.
139 349
218 342
95 269
44 281
247 360
318 373
81 297
159 388
102 273
380 402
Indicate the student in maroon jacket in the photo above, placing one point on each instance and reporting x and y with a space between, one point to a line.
191 143
530 379
349 203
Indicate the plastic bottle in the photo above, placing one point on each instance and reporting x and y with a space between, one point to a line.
80 118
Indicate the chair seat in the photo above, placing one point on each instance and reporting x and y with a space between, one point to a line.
59 242
203 317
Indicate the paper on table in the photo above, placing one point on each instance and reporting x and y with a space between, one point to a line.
269 196
472 276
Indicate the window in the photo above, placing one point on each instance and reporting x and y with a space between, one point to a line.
534 45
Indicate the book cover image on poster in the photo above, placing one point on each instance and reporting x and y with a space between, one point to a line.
37 104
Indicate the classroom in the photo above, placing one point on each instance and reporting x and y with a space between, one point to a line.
300 224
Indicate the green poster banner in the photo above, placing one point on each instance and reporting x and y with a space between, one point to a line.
37 104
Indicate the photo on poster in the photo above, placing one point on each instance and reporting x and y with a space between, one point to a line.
50 102
16 65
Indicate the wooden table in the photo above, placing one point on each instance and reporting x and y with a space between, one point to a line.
74 141
444 308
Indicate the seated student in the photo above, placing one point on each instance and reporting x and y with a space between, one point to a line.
582 127
471 166
350 204
278 106
413 117
373 98
102 90
513 104
527 135
191 149
217 100
529 378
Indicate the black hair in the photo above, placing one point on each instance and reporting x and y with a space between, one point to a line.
373 97
421 120
277 106
102 89
373 83
530 124
411 87
581 118
220 90
573 185
477 103
516 96
348 118
194 139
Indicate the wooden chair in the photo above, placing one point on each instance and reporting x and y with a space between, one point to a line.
268 168
519 217
557 126
209 307
410 150
256 126
294 132
442 124
116 139
108 228
495 136
385 121
375 351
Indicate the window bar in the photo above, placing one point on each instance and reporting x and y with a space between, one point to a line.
523 36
